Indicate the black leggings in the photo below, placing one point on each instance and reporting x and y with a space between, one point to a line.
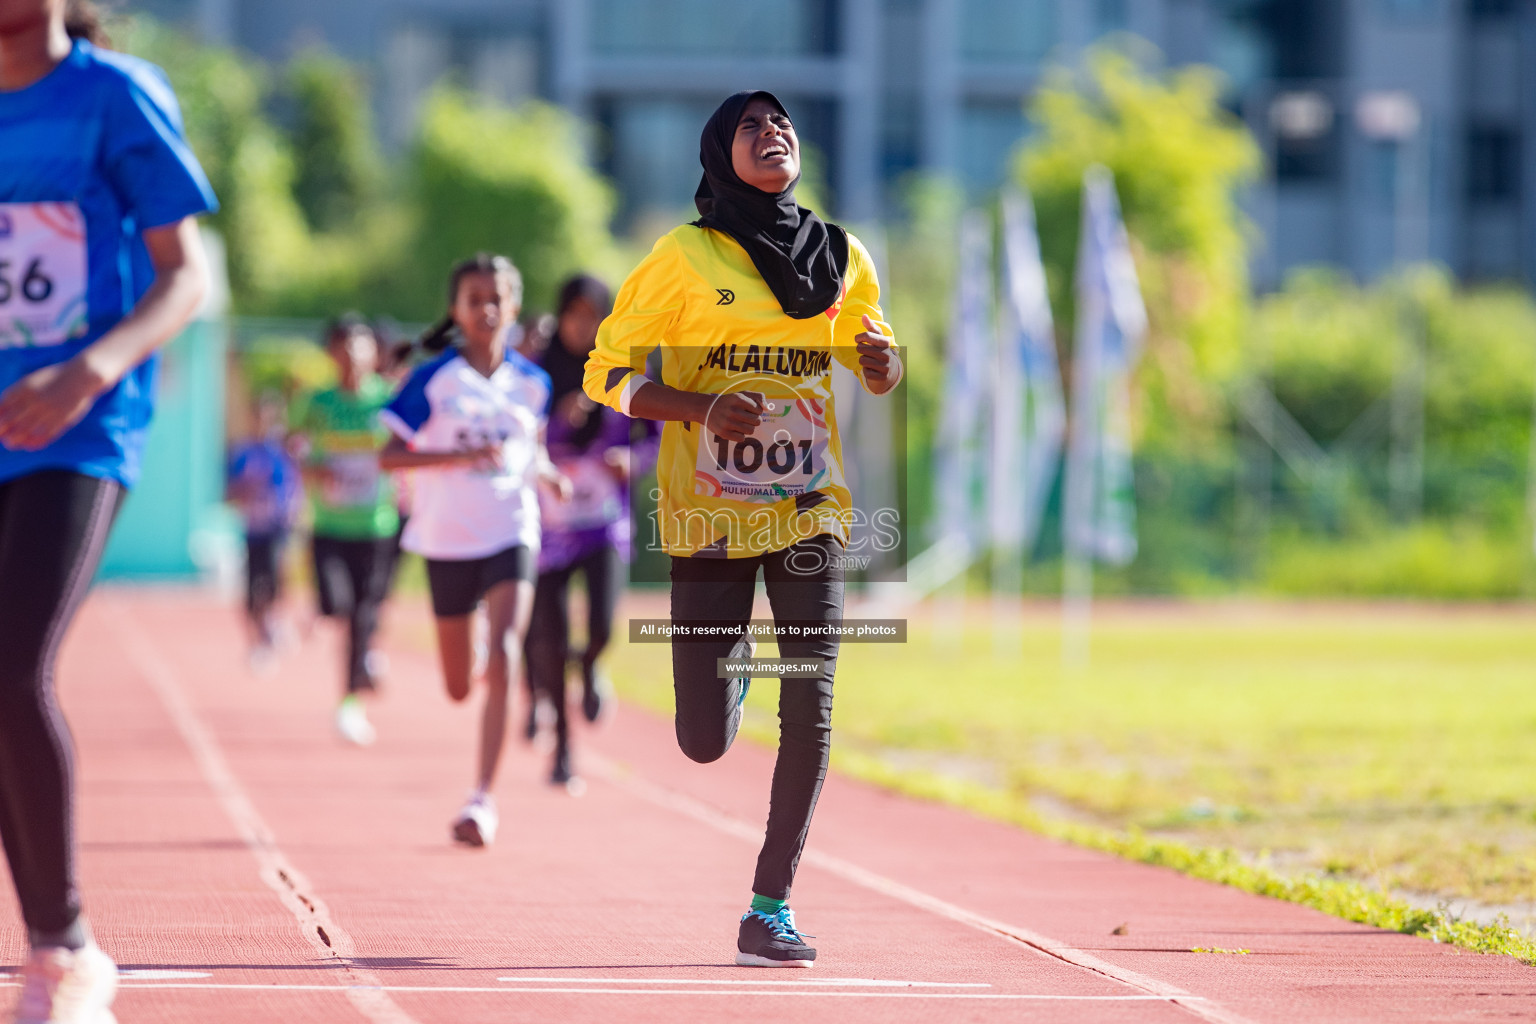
548 647
53 525
805 586
351 580
263 572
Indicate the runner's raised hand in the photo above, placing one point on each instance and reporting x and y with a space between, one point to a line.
877 357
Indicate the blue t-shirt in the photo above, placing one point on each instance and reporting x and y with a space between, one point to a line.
270 481
91 156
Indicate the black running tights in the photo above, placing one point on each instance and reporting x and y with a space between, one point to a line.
351 580
53 525
547 648
805 587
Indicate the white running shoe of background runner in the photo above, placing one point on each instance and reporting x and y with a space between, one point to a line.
477 822
352 722
62 986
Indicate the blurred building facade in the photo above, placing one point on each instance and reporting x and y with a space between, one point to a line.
1393 129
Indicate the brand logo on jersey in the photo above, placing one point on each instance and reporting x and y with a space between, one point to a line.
726 296
770 359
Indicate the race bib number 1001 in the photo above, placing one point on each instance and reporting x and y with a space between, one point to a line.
786 457
42 274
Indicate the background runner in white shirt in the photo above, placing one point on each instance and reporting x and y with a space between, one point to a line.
471 424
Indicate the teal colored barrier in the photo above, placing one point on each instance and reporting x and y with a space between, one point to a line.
174 523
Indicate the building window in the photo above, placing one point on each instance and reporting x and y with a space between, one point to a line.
1304 37
1409 8
653 152
1109 16
989 134
1493 165
1492 9
1307 158
1242 45
1382 162
900 139
714 28
1014 31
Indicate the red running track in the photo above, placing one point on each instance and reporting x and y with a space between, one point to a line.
242 865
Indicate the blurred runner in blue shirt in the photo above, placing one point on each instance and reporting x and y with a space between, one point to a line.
264 485
100 265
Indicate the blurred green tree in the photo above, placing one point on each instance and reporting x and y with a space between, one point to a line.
1179 162
248 160
483 177
339 170
917 297
1330 347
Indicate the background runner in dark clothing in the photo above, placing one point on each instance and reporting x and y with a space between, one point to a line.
600 450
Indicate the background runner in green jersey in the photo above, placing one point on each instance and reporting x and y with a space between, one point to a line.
356 526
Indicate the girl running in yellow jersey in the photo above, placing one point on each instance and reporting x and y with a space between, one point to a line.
748 306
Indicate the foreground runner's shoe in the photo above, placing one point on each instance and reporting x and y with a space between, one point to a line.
477 822
62 986
352 721
746 647
771 940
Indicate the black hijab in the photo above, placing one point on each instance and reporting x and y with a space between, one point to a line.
801 257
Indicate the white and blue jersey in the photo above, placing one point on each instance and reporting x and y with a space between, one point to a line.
462 512
91 156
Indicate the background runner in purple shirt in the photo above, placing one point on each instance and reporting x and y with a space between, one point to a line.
600 450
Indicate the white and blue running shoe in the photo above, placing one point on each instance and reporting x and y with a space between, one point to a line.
772 940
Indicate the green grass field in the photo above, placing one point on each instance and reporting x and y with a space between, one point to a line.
1390 745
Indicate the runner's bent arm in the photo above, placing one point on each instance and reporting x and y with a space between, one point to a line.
44 404
645 312
547 473
862 341
398 455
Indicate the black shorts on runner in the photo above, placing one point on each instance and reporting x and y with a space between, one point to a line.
458 585
351 572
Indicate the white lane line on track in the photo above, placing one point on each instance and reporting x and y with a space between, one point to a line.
617 991
836 982
317 926
1199 1006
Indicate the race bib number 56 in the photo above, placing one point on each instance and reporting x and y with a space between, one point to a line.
786 456
42 274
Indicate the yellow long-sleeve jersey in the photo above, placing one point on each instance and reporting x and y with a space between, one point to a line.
700 301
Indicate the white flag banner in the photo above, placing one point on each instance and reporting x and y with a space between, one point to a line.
1028 415
1099 510
958 455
